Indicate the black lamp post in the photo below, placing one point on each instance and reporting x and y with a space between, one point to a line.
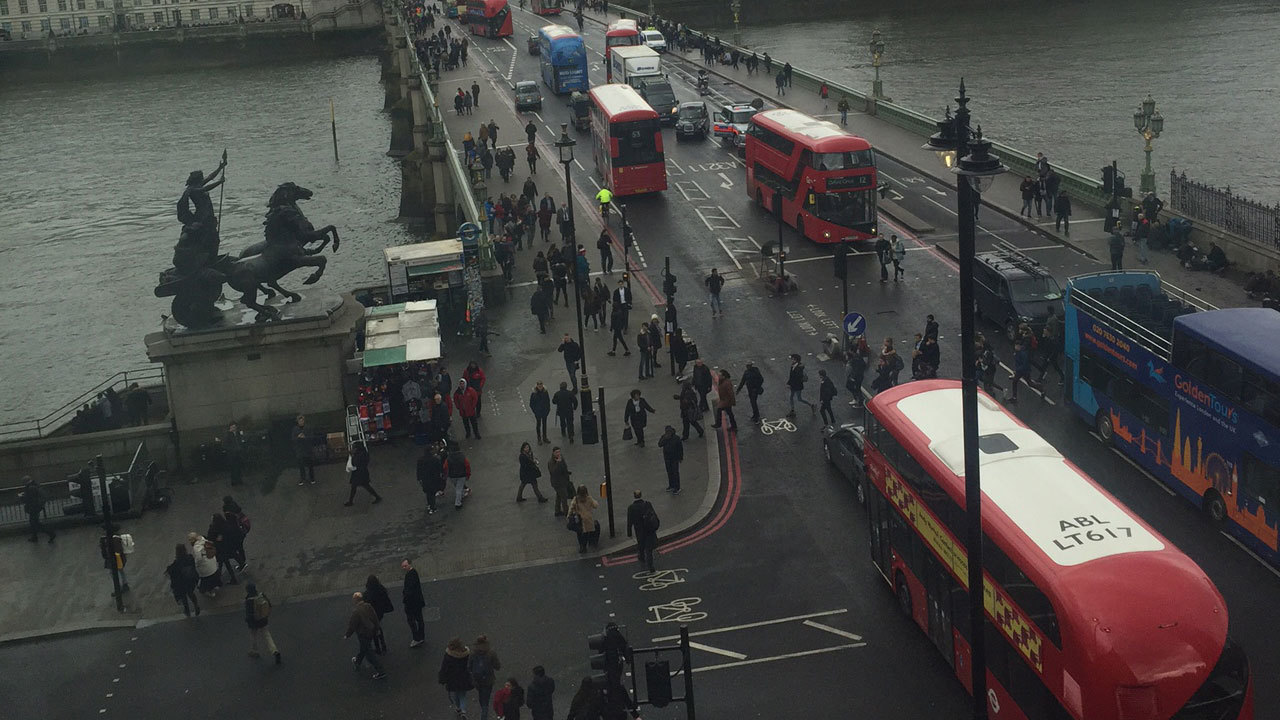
968 155
565 145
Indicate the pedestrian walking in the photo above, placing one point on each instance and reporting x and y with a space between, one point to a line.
672 455
796 379
1062 211
529 473
493 132
566 403
483 665
572 353
508 700
1140 237
529 190
930 328
714 283
225 537
605 246
455 675
856 369
843 107
257 615
586 526
358 470
725 399
205 556
467 402
541 695
137 402
486 161
646 355
588 702
988 363
233 446
458 469
1052 187
1021 368
375 593
703 382
33 502
643 520
412 599
884 252
679 352
690 413
753 381
826 393
899 255
561 481
482 135
1037 193
363 623
540 406
1051 346
786 72
303 452
531 156
531 131
636 417
183 579
1027 188
475 93
540 306
618 325
1116 246
780 82
655 341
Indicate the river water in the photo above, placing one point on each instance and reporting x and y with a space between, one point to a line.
90 172
1065 77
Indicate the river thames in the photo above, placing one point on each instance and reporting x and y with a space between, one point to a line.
92 171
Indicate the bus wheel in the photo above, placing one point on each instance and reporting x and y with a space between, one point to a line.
904 594
1215 507
1103 424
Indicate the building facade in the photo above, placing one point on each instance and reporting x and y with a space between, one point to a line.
31 19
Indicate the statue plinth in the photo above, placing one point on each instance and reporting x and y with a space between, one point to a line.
259 372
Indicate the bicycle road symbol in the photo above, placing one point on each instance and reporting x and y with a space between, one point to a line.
680 610
769 427
660 579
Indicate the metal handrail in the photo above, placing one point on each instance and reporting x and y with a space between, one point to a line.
40 427
1162 346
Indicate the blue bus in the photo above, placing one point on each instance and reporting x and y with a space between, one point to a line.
1189 392
564 59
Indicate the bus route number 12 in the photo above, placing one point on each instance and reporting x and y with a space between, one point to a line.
1089 528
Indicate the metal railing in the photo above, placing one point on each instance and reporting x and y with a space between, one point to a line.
44 426
1221 207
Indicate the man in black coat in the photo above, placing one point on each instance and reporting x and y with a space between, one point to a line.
530 190
636 416
33 503
566 403
431 476
413 603
572 354
540 306
703 382
672 455
640 518
754 382
540 405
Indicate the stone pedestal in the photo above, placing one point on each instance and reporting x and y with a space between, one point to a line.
255 373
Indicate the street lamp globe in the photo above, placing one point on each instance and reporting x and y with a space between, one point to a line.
1148 105
943 142
565 145
1139 120
979 167
1157 123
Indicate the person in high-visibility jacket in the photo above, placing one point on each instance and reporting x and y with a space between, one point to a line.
604 197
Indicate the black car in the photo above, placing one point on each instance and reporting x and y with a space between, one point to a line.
692 119
842 444
658 93
1011 289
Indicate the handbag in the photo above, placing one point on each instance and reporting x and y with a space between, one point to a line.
351 466
575 522
626 433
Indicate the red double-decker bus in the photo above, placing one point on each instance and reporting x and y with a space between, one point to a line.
626 141
1090 612
548 7
825 177
621 32
489 18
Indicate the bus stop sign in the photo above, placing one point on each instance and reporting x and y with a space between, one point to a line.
854 324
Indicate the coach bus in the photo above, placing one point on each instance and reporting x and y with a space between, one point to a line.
818 178
626 141
548 7
619 33
1090 613
564 59
489 18
1189 392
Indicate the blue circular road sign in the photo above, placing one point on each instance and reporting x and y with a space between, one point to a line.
469 231
854 324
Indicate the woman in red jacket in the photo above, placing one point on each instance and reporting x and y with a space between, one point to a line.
475 379
467 401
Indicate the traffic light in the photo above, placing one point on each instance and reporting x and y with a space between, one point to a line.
842 261
669 284
657 681
611 651
628 235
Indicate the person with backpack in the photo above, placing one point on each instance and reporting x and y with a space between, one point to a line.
483 664
412 599
690 415
375 593
257 611
33 503
183 579
541 695
826 393
509 700
643 520
236 517
796 379
458 469
205 555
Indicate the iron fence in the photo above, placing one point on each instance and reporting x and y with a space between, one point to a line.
1221 207
41 427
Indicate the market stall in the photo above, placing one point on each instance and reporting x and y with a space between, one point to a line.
398 340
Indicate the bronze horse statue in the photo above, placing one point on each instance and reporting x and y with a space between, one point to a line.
195 281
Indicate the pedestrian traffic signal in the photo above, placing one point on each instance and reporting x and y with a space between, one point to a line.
657 682
669 285
628 235
611 650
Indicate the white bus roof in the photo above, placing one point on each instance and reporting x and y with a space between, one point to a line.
617 98
1051 502
801 124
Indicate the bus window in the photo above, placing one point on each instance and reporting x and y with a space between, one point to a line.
1260 482
1224 374
1262 397
843 160
845 208
635 143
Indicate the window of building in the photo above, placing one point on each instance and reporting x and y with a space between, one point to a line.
64 23
104 21
45 25
248 10
139 19
100 4
4 8
26 26
80 4
157 18
231 11
62 5
213 13
195 13
84 22
177 15
43 5
23 8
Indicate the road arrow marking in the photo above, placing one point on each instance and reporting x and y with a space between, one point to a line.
788 656
727 182
834 631
718 651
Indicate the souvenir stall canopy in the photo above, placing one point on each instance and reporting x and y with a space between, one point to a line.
394 336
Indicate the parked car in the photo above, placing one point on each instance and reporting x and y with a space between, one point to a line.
843 445
692 119
654 39
534 47
528 96
657 92
1010 288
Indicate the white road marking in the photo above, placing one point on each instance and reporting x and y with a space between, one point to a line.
544 122
508 42
690 188
788 656
593 182
729 252
575 162
708 217
762 623
834 631
727 182
935 190
718 651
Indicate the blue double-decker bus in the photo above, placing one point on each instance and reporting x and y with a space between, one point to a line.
564 59
1189 392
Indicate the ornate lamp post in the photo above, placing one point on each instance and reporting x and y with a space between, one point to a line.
968 155
565 146
736 7
1149 123
877 52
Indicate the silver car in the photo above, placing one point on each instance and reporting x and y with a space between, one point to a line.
654 39
843 447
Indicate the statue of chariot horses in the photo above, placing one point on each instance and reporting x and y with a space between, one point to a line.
199 271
